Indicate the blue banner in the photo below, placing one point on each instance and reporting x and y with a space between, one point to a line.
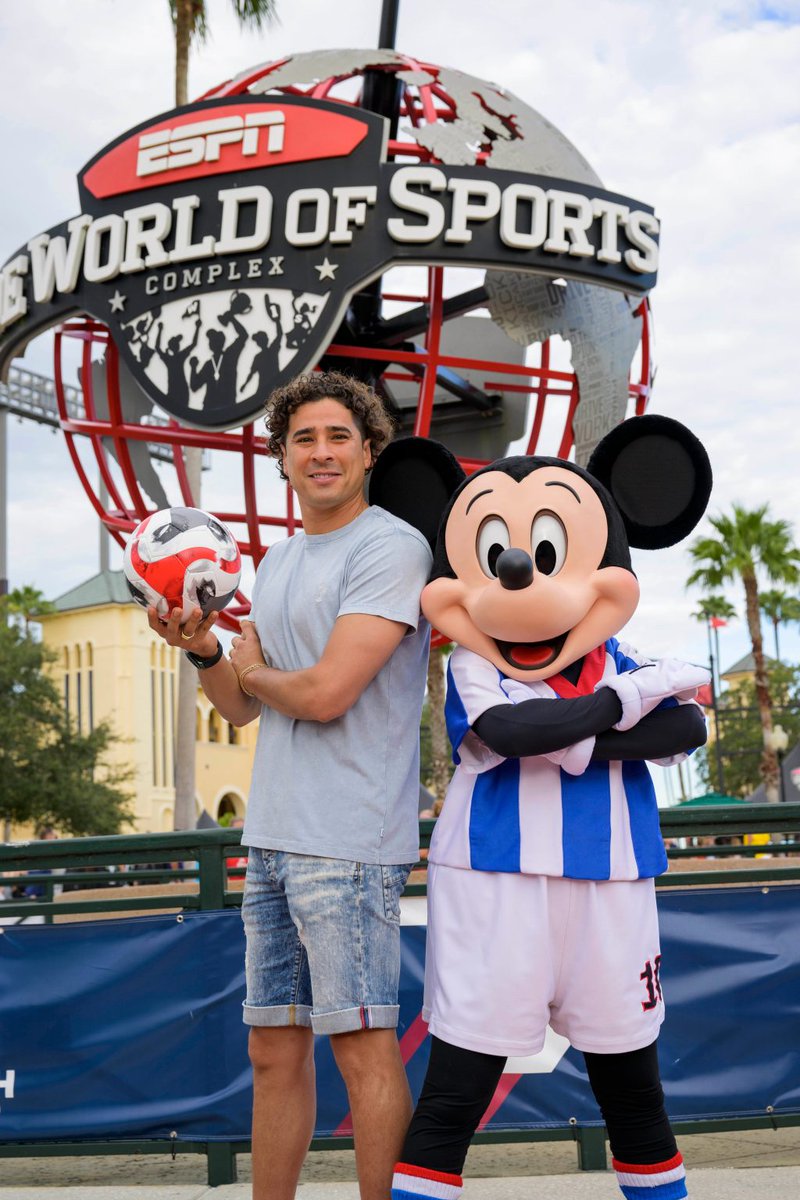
132 1028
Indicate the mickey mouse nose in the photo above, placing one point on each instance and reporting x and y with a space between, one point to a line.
514 569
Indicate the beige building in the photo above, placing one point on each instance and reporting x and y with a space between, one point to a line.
111 666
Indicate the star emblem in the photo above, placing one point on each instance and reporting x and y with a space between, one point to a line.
117 302
327 270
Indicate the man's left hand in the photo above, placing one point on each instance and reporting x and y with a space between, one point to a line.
246 649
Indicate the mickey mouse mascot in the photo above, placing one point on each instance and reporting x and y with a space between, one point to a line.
541 897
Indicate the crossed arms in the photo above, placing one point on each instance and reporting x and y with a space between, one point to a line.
358 647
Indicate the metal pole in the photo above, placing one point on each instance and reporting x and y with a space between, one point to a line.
715 710
3 503
105 558
781 757
719 663
388 30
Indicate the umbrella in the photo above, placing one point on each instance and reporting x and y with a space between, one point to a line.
710 799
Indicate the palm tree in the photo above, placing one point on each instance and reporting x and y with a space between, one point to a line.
714 606
714 610
780 608
749 543
441 768
191 25
28 603
189 19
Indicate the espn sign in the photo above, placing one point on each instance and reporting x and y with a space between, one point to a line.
202 141
221 137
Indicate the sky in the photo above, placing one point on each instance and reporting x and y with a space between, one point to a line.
692 107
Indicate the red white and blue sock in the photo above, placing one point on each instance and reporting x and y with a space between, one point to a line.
651 1181
419 1183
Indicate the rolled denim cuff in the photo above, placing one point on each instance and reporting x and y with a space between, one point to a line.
347 1020
278 1015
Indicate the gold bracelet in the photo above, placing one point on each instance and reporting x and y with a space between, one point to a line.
246 672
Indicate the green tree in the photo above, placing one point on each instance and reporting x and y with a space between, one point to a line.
49 772
781 609
748 545
740 731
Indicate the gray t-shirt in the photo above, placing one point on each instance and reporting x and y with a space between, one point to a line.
348 788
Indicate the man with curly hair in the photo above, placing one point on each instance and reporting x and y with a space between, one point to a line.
334 663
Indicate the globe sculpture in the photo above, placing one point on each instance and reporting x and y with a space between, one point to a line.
476 358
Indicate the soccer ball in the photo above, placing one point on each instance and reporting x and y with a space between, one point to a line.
182 558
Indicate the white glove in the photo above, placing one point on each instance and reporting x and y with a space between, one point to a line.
641 691
573 759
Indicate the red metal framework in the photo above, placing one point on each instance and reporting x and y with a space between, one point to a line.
551 391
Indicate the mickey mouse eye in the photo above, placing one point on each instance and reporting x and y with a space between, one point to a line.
493 539
548 543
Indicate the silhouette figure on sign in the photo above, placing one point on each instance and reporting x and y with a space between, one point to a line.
303 325
265 363
218 372
174 356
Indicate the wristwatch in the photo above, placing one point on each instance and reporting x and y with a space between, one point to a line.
203 664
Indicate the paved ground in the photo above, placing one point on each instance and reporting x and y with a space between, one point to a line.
748 1165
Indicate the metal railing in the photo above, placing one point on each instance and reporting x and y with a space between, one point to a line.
194 869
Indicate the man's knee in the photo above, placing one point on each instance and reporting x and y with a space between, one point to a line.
367 1054
281 1049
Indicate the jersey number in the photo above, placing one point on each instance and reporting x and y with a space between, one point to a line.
651 977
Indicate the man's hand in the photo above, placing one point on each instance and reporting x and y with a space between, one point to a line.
246 650
195 634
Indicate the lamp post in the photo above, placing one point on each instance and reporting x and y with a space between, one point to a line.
777 740
715 707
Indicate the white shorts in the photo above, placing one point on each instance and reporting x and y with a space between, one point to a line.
509 954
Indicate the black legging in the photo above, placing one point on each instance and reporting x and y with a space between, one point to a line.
459 1086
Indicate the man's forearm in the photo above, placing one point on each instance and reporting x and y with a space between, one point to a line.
308 695
221 686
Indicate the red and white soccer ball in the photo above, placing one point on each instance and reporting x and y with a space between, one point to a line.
182 558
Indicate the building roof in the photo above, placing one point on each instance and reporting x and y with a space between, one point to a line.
107 587
747 665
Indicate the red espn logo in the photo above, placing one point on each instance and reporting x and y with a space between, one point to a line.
220 139
202 141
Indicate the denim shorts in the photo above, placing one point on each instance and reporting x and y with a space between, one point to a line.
323 942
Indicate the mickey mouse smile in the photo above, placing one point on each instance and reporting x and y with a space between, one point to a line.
532 656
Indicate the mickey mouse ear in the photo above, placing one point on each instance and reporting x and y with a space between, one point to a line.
659 475
414 479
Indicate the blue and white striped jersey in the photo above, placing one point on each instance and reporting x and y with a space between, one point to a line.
555 814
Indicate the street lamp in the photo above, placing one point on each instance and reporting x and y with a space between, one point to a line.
777 740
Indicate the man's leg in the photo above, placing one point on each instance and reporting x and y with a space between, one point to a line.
349 914
278 1010
645 1155
380 1104
284 1108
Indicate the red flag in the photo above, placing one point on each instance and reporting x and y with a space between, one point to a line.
716 622
704 696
